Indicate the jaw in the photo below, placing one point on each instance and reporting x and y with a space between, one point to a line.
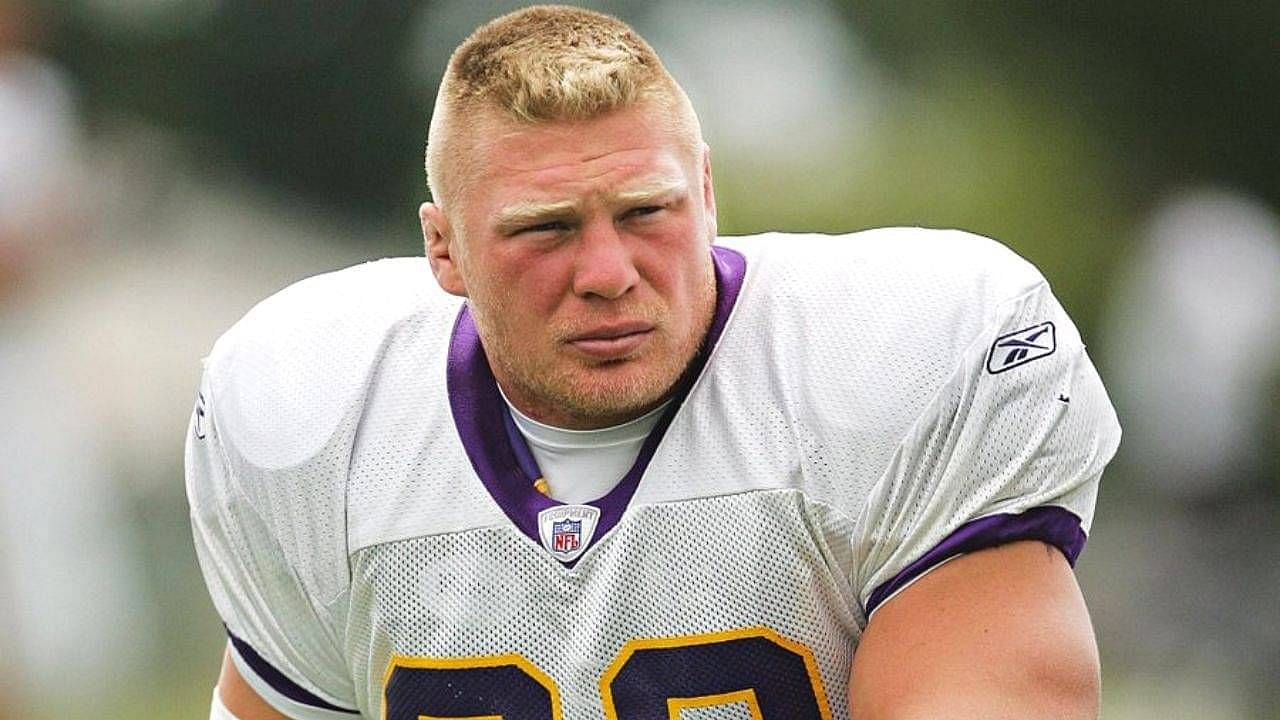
584 394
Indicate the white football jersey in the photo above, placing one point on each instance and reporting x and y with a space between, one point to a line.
865 408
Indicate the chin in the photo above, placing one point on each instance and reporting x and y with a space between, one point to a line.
621 395
613 394
572 391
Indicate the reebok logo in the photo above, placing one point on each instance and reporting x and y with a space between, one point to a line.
1021 347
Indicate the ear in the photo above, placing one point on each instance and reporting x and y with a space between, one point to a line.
708 192
442 253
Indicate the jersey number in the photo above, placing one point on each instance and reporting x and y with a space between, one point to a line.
775 677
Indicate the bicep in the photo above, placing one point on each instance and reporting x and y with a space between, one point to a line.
241 699
998 633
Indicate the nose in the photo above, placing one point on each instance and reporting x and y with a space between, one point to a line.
603 266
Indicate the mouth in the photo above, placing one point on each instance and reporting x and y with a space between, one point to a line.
612 342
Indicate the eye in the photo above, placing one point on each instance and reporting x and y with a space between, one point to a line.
549 226
641 211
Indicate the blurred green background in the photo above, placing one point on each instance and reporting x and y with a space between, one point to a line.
164 164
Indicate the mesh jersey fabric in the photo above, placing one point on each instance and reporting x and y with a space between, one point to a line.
848 431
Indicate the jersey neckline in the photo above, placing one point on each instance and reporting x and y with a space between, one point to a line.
498 453
550 437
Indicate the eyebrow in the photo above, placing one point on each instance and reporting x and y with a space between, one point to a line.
648 192
527 213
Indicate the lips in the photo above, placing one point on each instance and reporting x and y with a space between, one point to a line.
612 342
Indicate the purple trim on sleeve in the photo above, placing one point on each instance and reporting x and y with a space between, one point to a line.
277 680
498 452
1052 524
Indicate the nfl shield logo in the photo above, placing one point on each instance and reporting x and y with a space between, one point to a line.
566 530
566 536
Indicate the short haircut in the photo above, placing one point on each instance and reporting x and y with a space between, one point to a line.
542 64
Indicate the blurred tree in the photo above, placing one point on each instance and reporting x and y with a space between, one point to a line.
311 97
1187 90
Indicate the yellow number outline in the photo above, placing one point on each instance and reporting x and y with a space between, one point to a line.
662 643
675 705
412 662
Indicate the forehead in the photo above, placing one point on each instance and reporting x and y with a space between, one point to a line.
565 159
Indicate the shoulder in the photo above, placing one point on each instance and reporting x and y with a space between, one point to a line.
936 261
853 336
285 378
922 292
284 393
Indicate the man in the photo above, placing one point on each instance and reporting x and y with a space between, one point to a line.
635 474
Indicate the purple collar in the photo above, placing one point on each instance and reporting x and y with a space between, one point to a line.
498 452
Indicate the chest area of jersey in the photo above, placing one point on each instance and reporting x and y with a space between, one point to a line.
678 600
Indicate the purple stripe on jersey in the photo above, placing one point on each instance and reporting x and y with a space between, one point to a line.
1052 524
277 680
498 452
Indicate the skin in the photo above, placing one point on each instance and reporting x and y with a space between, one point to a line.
583 250
1000 633
578 231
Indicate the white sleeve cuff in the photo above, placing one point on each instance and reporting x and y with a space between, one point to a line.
218 711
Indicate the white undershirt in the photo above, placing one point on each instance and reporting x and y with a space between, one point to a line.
583 465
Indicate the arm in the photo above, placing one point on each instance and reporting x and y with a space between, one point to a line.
239 699
999 633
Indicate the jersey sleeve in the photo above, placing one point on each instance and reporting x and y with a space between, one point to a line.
284 636
1011 447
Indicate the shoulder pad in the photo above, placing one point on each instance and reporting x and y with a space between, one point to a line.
286 375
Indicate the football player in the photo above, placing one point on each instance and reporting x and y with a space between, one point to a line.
587 460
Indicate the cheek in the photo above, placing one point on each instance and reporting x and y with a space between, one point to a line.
681 265
521 291
538 281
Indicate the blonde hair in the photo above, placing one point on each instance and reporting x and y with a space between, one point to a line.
543 64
